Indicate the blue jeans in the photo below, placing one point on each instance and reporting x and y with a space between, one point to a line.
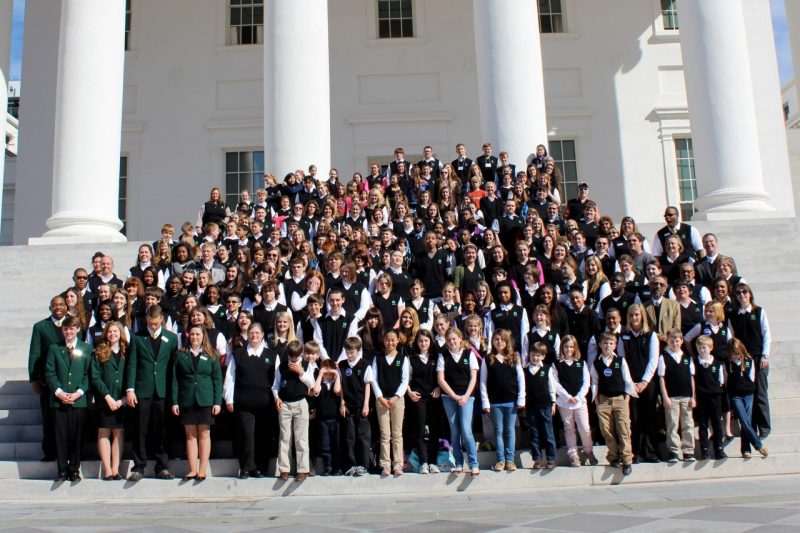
540 420
504 416
460 419
743 408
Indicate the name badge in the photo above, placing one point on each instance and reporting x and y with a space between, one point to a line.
348 372
487 165
607 372
461 168
203 358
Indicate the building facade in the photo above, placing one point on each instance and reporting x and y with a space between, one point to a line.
652 102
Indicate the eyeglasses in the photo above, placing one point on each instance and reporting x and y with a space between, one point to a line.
670 215
81 277
742 291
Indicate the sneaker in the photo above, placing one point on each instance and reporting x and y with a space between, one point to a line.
627 470
720 455
747 455
536 465
164 474
575 462
615 463
704 455
511 466
551 465
360 471
398 470
688 458
763 451
424 469
672 458
499 466
385 471
592 459
433 469
135 476
351 471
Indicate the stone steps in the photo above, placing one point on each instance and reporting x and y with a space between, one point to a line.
221 486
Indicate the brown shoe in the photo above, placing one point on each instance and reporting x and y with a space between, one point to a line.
551 465
284 476
537 465
301 476
510 466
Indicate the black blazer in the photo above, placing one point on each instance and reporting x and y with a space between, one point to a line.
488 167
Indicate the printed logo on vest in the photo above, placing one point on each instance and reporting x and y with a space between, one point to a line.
607 372
348 372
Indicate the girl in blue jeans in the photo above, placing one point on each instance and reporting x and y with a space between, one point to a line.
502 393
457 373
741 387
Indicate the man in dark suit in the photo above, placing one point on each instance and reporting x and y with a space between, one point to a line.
399 157
106 276
462 163
46 333
706 268
435 164
487 163
81 279
67 374
152 352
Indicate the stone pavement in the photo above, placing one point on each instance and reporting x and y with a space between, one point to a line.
729 505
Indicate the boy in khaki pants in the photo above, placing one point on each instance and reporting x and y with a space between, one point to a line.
611 387
294 378
676 375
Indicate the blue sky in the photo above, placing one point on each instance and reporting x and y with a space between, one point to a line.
778 21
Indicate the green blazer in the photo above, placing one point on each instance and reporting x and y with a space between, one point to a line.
201 386
69 376
108 378
44 335
148 372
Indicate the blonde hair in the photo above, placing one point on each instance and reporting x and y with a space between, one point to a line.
569 339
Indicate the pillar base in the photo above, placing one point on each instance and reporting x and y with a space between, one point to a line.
734 203
75 228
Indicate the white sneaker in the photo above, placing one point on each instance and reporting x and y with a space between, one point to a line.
424 469
433 469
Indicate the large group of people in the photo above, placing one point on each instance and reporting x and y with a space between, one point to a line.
371 326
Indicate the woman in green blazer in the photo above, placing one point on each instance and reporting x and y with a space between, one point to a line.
197 397
108 382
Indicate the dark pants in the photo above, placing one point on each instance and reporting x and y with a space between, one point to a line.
254 446
330 443
357 436
540 420
709 410
68 422
426 412
645 422
150 418
761 419
48 427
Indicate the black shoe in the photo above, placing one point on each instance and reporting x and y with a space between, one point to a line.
337 473
74 477
652 459
615 463
199 479
117 477
704 455
626 470
327 472
165 474
256 474
720 454
244 475
109 478
135 476
62 477
672 458
636 459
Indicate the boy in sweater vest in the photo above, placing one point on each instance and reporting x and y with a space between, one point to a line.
294 378
611 388
675 373
709 377
540 405
356 376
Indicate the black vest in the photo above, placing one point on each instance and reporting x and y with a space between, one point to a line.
423 375
537 388
720 339
706 380
739 382
334 333
254 378
677 376
747 328
390 376
610 382
291 388
637 353
353 384
501 382
213 212
510 320
352 297
691 316
457 374
570 376
548 339
387 307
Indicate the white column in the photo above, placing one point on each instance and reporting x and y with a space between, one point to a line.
6 17
297 103
3 115
88 123
722 110
508 54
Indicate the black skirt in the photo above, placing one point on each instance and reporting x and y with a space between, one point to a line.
108 419
196 416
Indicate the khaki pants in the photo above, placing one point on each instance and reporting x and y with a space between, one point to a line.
615 424
390 422
293 420
680 417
